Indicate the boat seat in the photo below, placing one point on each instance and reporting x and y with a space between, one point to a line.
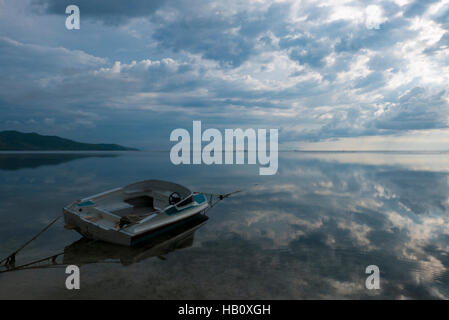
136 191
116 206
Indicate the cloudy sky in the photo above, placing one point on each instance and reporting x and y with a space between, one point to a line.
351 75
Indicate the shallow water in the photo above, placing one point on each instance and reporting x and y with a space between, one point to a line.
308 232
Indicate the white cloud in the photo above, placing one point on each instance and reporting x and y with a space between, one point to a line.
374 17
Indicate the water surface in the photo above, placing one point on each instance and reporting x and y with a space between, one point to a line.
308 232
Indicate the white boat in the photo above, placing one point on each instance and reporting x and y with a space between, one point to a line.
136 213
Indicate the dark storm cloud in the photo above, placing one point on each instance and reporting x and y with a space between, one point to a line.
308 51
416 110
198 36
108 11
229 40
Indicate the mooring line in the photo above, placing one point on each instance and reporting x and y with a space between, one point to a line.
225 195
10 260
23 266
30 265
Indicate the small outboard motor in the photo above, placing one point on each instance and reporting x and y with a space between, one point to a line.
174 198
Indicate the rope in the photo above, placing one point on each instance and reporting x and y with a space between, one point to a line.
23 266
54 264
11 259
219 196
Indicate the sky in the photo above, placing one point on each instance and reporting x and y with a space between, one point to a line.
330 75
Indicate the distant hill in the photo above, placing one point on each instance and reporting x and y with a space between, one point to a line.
19 141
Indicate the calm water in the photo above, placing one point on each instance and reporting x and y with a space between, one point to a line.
307 232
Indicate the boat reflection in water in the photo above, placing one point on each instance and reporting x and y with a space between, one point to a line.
86 251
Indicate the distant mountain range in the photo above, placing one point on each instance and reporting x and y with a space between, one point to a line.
19 141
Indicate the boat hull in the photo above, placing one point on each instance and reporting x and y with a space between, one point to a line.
91 231
145 237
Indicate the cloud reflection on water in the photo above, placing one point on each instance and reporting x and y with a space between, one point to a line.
308 232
